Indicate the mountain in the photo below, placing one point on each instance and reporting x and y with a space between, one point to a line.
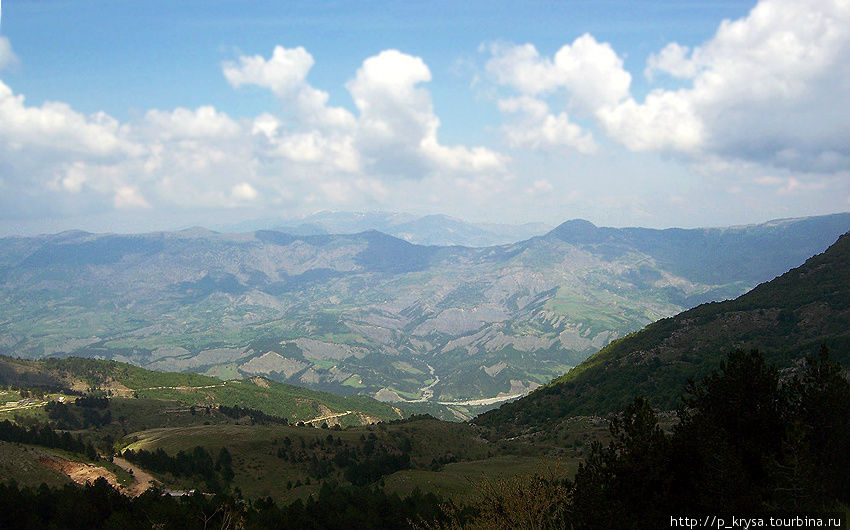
421 230
368 313
786 319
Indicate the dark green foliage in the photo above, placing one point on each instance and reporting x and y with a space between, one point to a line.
46 437
616 479
224 464
745 442
748 442
84 413
361 464
61 414
820 432
377 464
197 463
732 432
100 506
257 417
92 401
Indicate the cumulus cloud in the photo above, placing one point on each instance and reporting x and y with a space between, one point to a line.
204 158
665 121
285 74
590 72
672 60
201 123
770 88
397 126
394 111
56 127
393 134
536 127
184 157
587 72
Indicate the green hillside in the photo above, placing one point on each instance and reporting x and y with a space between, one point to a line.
121 379
786 319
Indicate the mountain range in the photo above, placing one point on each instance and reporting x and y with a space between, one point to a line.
787 319
369 313
434 229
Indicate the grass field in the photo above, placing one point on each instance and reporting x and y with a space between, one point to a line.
460 480
259 472
20 462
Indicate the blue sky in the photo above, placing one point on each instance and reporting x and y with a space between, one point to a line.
140 115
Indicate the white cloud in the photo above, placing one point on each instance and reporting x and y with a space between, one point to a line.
182 157
244 192
590 72
522 68
332 150
7 56
395 130
55 127
128 197
204 158
181 123
788 185
285 74
393 110
768 180
397 127
665 121
537 128
540 187
771 88
336 191
672 60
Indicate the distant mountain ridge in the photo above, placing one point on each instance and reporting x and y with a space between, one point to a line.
726 250
787 319
434 229
370 313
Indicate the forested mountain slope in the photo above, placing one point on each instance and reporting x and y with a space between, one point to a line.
787 319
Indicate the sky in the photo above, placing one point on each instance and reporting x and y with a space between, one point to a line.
130 116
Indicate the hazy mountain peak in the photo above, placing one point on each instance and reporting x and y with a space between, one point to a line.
577 231
431 229
197 231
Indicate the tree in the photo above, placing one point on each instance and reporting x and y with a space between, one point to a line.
224 464
614 482
731 429
818 444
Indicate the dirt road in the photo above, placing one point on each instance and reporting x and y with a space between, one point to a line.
142 480
329 416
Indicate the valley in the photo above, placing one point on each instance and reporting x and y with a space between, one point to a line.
257 450
450 331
